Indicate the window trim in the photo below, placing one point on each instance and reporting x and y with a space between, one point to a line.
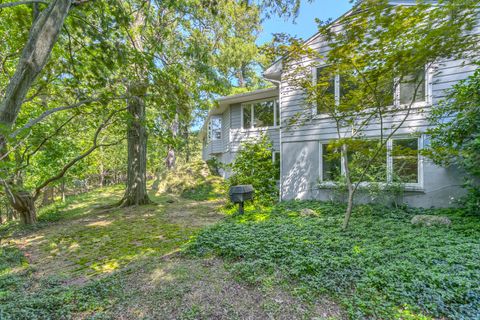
211 136
396 92
276 117
409 186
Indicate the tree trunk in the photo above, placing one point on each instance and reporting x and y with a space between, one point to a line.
171 157
351 189
48 196
35 54
136 192
42 37
62 190
24 203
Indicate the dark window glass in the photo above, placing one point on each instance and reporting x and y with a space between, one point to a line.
408 86
359 159
276 163
247 116
263 114
405 160
331 163
277 107
325 89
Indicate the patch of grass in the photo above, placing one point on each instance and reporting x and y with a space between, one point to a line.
382 267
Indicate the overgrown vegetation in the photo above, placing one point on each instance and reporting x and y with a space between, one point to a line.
254 165
383 267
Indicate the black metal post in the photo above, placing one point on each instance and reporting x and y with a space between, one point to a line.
240 207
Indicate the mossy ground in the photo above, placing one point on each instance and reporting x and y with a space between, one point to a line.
88 260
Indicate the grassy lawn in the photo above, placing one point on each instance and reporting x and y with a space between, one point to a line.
383 267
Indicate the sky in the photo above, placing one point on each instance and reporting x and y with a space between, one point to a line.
305 26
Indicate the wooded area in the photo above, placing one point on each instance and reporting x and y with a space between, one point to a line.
99 92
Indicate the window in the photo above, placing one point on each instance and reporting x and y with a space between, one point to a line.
276 163
331 163
409 85
333 89
325 86
399 161
405 160
215 128
260 114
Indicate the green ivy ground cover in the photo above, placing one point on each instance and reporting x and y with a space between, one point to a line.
383 267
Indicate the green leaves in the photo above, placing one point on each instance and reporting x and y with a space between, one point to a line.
381 268
254 165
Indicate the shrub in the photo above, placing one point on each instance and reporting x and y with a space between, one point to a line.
254 165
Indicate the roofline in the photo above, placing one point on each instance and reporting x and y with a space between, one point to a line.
314 36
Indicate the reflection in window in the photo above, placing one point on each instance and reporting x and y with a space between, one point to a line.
331 163
325 83
216 128
409 85
405 160
263 114
260 114
247 116
359 157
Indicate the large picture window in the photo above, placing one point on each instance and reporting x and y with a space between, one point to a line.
260 114
398 162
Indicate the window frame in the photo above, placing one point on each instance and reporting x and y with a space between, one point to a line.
276 117
409 186
211 136
396 91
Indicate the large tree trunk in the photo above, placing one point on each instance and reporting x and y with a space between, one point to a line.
136 192
24 203
43 36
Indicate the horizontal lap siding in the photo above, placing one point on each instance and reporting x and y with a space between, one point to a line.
240 136
446 74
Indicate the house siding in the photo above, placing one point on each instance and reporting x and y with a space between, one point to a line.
301 142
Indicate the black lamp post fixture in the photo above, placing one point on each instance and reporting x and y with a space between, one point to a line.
239 194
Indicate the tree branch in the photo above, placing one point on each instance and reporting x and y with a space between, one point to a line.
70 164
33 122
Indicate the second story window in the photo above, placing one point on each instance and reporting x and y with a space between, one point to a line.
334 89
215 128
260 114
413 85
